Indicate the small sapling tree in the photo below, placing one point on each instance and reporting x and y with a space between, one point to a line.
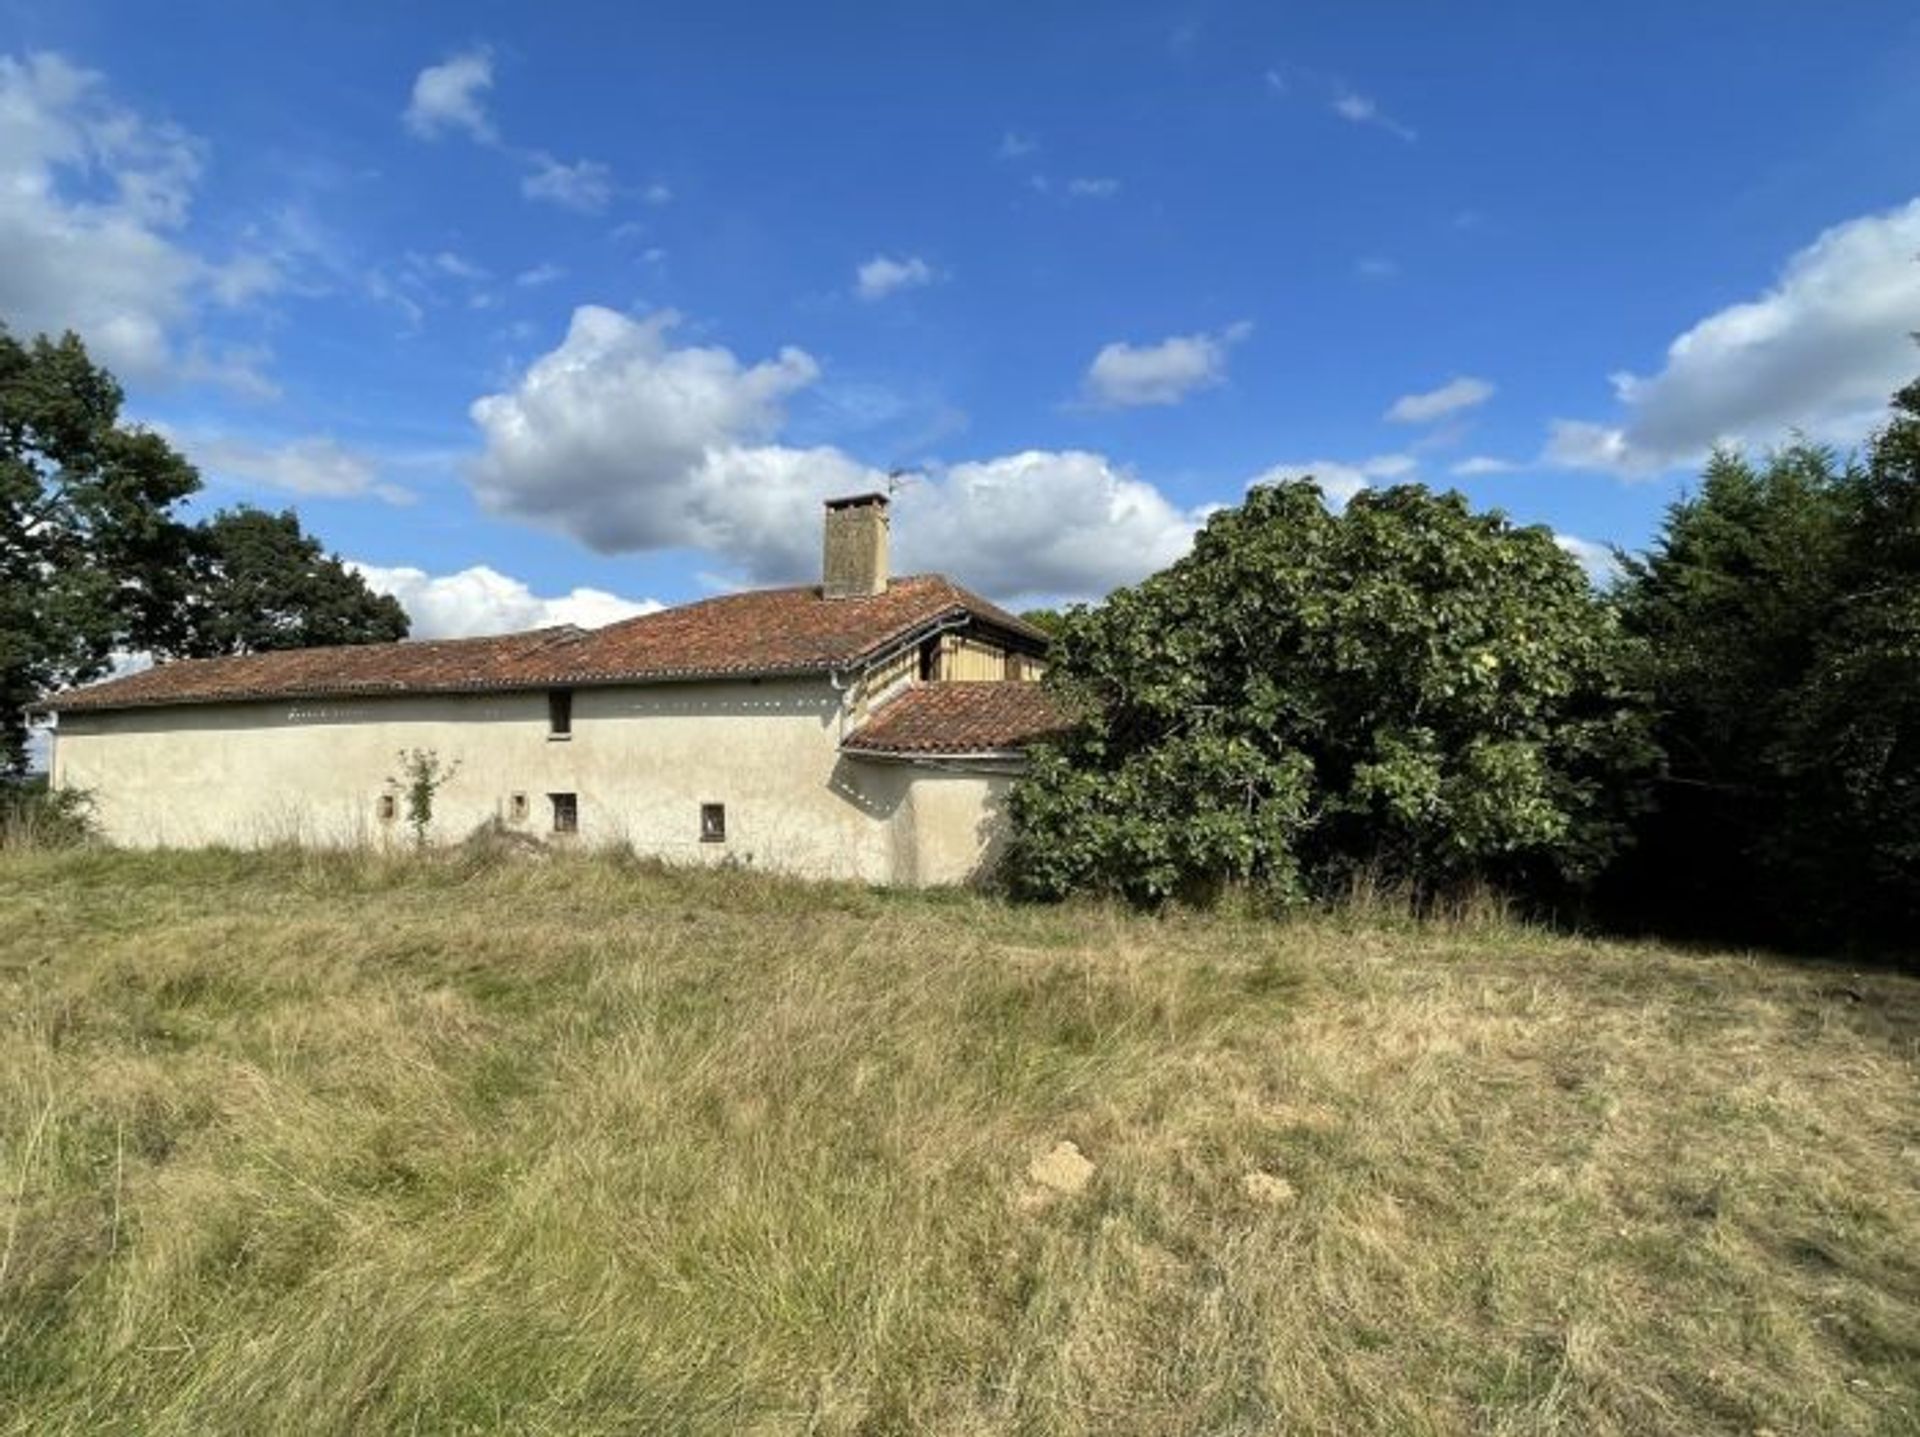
423 773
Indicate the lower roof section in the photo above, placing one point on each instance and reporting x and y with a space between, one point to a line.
954 719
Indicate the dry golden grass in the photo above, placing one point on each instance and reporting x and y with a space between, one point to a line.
340 1145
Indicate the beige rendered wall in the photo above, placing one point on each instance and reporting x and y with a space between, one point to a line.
642 760
959 824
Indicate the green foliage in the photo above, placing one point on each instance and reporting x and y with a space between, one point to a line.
1781 614
1408 689
260 583
92 558
1048 621
32 815
423 773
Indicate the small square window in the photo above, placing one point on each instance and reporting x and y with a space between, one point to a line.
559 713
517 808
566 812
713 823
389 808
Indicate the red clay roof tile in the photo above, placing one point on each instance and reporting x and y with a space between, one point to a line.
955 718
762 631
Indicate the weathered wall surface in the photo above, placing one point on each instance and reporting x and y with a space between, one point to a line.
959 824
642 760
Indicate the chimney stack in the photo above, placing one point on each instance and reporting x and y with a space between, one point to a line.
856 548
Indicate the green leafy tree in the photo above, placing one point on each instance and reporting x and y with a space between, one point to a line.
95 556
261 583
1048 621
1780 610
92 555
1407 688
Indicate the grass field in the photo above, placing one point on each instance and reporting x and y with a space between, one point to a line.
302 1145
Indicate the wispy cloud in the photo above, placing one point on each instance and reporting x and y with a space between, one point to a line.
1359 109
1341 98
1456 395
584 185
451 97
1482 464
311 468
1093 188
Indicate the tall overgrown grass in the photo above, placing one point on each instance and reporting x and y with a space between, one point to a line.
343 1143
32 815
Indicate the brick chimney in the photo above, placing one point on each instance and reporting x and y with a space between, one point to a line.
856 548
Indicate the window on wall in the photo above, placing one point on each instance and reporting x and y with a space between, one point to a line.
566 812
388 808
930 661
517 808
559 713
713 823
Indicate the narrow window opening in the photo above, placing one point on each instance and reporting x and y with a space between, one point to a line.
517 808
566 812
560 713
930 661
713 823
389 808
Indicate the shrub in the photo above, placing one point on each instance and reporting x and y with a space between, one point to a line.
1407 689
33 815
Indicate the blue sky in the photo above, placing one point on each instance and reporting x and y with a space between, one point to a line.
511 303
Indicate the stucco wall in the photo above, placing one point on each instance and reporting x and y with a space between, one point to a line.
642 760
959 824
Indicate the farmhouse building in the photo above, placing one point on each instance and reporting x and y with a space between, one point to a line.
866 727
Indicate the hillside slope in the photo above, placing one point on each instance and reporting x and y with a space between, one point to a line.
296 1144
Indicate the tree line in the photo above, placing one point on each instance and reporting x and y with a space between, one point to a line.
96 558
1725 741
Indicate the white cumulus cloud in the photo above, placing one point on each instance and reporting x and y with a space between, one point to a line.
883 275
95 197
482 600
1040 524
627 441
1341 479
451 96
1452 397
1125 375
1820 352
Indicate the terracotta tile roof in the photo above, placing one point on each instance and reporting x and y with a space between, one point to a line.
422 666
776 631
763 631
961 718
